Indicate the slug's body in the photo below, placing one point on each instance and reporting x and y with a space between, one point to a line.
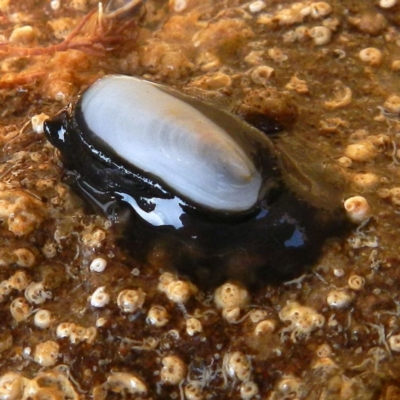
197 181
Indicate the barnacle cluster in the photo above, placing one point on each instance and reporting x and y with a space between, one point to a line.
84 318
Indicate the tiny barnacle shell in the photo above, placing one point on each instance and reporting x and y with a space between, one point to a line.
130 300
195 177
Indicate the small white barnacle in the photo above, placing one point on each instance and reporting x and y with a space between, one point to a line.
339 299
261 75
20 309
231 295
356 282
98 265
42 319
387 3
371 56
37 122
357 209
19 281
289 385
193 390
173 370
25 257
303 320
157 316
256 316
362 151
36 294
130 300
5 289
325 364
320 9
120 382
193 326
63 330
265 327
394 343
231 314
100 322
248 390
55 4
164 280
176 290
321 35
100 298
237 365
11 386
77 333
89 335
324 351
257 6
179 291
46 353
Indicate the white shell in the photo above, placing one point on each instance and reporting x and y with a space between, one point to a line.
186 150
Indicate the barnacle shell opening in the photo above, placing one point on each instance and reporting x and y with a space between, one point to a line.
190 153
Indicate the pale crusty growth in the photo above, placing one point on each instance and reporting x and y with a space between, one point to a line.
94 238
257 315
21 211
231 295
231 314
365 181
35 293
25 257
339 299
18 281
22 35
120 382
193 390
46 353
193 326
342 96
392 104
213 81
173 370
298 85
20 309
362 151
303 320
11 386
52 384
76 333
